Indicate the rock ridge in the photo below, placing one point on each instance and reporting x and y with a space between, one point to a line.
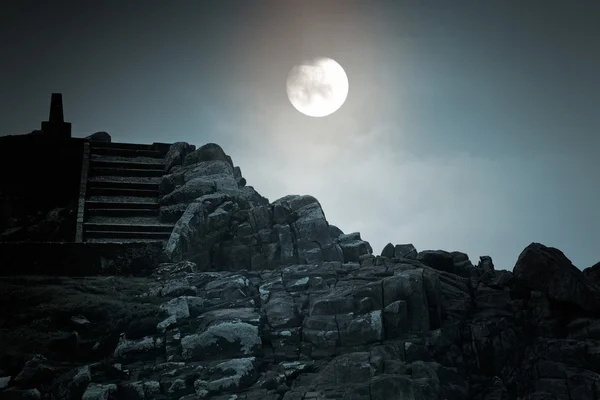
267 300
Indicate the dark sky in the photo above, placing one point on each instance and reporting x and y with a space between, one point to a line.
469 126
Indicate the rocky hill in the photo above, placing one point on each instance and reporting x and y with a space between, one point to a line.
267 300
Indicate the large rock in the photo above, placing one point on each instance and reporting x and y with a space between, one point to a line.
310 229
548 270
176 155
208 152
400 251
185 232
455 263
99 137
218 214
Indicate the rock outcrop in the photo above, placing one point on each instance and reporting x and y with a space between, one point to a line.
267 300
548 270
100 137
222 224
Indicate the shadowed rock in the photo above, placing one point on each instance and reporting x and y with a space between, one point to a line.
99 137
208 152
593 273
548 270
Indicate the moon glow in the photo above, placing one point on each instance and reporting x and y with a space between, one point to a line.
318 87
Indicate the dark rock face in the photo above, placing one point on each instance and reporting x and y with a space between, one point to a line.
222 224
593 273
379 328
455 263
399 251
208 152
548 270
177 154
269 301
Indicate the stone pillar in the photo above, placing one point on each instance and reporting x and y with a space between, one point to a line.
56 125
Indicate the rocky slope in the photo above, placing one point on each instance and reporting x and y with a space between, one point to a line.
269 301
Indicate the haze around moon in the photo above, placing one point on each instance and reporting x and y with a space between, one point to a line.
317 87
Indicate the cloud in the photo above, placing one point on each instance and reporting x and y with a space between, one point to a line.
366 182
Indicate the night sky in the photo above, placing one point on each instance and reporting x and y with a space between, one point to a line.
468 126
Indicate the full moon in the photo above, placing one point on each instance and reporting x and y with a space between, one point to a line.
317 87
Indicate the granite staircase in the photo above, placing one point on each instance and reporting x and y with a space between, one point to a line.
121 194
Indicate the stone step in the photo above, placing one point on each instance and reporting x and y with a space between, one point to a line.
124 240
141 183
115 227
122 212
128 235
127 205
124 190
126 146
128 220
96 163
107 171
120 152
140 160
123 199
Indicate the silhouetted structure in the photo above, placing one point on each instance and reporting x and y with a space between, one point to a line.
56 125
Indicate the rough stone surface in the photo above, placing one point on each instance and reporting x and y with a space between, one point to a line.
550 271
269 301
176 155
224 224
593 273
